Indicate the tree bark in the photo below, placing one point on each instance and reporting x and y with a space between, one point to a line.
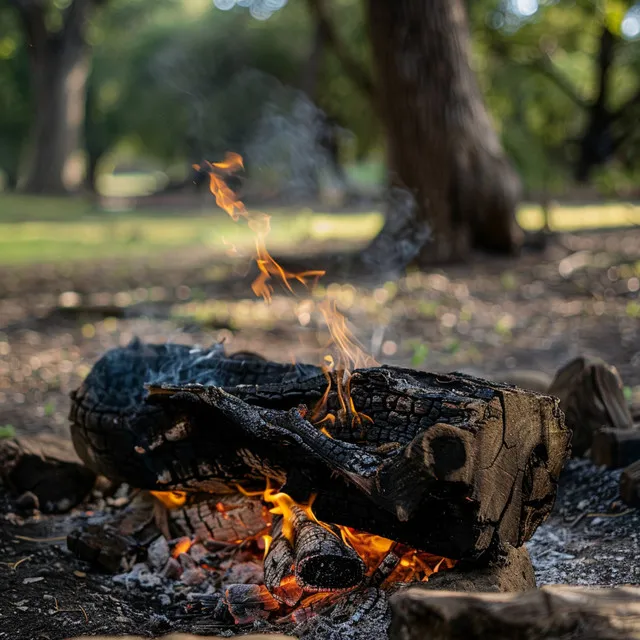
60 64
442 146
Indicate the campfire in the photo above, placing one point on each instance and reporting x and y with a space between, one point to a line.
308 482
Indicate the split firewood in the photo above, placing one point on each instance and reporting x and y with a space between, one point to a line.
279 567
591 395
224 518
616 448
47 468
551 612
323 562
630 484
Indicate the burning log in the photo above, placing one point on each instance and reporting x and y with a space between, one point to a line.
630 485
591 395
323 562
227 518
480 459
616 448
279 565
550 612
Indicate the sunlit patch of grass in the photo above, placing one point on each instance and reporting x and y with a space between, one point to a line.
39 229
571 218
78 234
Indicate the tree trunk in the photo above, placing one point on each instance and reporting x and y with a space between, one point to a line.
442 147
60 64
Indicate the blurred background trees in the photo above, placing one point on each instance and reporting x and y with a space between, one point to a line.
92 89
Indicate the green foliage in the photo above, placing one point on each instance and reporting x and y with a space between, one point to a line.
7 431
174 80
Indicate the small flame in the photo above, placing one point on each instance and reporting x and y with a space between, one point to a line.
170 499
258 222
182 546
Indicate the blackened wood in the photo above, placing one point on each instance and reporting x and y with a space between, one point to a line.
47 467
323 562
279 567
616 448
591 395
224 518
630 485
571 613
454 465
249 603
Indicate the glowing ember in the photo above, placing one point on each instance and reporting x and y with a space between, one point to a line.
182 546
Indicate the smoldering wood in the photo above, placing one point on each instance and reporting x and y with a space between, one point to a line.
224 518
550 612
616 448
279 576
115 543
323 562
47 468
591 394
630 485
480 459
249 603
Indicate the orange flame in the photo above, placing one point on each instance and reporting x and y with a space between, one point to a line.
258 222
170 499
348 354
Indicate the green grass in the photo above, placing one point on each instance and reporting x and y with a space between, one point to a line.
50 230
36 229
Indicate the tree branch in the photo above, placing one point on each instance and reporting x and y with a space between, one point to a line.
356 72
546 67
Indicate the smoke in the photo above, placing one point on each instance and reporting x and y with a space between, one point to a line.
259 9
285 145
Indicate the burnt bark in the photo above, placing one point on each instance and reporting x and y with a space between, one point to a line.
480 459
442 146
60 63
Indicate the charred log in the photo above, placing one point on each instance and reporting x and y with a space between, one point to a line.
481 459
225 518
279 567
323 562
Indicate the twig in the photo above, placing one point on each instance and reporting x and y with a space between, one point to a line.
30 539
610 515
14 565
80 609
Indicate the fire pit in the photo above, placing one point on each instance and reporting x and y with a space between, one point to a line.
321 490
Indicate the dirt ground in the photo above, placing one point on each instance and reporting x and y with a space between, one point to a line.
578 297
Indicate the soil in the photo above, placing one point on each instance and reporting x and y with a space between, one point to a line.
578 297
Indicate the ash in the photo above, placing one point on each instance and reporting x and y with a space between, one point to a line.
591 538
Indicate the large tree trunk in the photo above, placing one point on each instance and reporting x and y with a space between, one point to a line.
59 70
442 147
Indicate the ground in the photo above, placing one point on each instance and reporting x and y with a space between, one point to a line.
580 296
